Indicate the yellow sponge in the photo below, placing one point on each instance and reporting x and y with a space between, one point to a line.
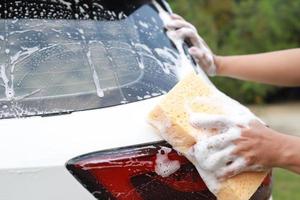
171 118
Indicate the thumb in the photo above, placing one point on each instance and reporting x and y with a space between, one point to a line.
210 121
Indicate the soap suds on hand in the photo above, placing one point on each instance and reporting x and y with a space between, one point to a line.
211 155
183 65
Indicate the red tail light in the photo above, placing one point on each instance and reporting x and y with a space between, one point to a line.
132 174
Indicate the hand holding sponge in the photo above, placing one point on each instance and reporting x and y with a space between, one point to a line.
172 118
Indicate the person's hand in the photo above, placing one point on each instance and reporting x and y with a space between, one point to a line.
238 148
200 50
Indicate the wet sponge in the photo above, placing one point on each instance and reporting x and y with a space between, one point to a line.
171 119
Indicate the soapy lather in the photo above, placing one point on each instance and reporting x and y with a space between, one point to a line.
185 30
216 153
193 142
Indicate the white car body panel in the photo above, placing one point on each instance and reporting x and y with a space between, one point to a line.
54 183
34 150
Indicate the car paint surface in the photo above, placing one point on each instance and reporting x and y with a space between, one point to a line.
34 150
43 183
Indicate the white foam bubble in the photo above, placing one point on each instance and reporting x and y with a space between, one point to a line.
212 155
9 90
96 79
144 24
163 165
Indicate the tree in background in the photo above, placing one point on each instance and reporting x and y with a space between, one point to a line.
242 27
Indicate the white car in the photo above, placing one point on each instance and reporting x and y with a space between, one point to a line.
77 79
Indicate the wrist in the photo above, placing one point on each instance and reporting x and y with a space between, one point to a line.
286 151
219 62
290 158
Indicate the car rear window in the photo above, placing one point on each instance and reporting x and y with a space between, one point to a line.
60 56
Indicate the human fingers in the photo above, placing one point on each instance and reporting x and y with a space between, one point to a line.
216 151
208 146
205 59
218 160
252 136
176 16
223 140
236 167
178 23
190 34
210 121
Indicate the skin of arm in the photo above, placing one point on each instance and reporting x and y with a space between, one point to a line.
243 147
276 68
260 145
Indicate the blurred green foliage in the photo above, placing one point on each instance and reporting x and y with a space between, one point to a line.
286 185
233 27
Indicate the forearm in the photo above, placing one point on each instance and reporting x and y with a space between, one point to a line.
289 155
277 68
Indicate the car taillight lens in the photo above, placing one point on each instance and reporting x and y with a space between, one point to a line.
132 173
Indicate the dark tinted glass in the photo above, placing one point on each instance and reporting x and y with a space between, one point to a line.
64 56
